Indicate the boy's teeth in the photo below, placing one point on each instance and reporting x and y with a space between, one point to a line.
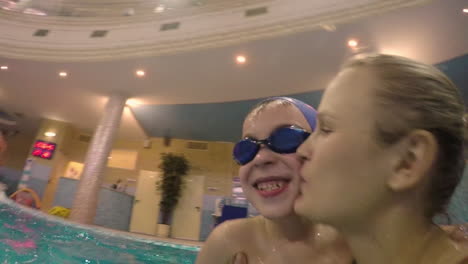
270 186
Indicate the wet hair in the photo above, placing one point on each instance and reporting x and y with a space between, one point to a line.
307 111
413 95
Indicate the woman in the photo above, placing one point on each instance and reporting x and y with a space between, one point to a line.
269 175
386 157
279 235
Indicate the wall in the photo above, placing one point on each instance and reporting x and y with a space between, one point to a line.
77 150
215 163
59 161
208 220
18 150
114 208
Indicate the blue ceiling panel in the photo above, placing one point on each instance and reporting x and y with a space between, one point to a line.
457 70
211 122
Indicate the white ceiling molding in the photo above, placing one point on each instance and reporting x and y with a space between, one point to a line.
69 40
209 6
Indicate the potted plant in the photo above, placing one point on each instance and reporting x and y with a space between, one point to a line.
174 167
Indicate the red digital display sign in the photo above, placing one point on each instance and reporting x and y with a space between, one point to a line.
44 149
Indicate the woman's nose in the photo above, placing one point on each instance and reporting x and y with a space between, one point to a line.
304 151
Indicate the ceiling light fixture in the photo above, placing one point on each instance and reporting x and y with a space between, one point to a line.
140 73
241 59
63 74
353 43
465 10
159 9
4 67
50 134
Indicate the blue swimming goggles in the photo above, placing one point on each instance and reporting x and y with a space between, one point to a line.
283 140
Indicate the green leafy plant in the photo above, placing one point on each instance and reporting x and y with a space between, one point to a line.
174 168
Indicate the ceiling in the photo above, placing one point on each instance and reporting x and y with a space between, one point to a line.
115 8
222 121
203 95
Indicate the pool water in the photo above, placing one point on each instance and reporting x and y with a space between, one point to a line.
28 236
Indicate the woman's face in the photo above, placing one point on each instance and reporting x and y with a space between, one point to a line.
271 180
343 175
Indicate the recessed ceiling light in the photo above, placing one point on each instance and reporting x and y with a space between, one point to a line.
63 74
241 59
159 9
353 43
4 67
50 134
465 10
140 73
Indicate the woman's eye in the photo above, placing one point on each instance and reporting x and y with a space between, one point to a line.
323 128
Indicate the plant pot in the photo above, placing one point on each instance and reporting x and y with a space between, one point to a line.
163 230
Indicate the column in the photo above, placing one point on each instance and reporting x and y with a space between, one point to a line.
86 198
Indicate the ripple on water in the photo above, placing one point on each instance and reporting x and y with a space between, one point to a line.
27 236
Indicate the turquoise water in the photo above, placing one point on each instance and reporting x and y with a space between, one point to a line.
27 236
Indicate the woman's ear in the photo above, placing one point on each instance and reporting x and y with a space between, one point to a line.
416 155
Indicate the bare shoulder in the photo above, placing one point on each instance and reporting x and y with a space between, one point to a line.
450 252
461 259
462 255
329 235
458 233
234 231
227 239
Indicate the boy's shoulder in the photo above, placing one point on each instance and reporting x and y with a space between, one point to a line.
240 230
229 238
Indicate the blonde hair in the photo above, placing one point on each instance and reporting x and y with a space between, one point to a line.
412 95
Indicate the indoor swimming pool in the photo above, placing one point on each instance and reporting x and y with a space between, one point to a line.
27 236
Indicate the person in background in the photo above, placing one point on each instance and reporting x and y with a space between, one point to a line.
386 157
116 184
